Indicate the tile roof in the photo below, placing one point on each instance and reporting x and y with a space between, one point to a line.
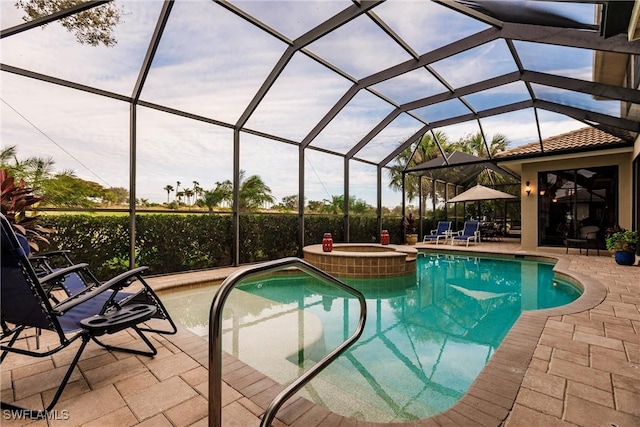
581 138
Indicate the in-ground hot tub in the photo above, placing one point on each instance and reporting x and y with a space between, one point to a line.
363 260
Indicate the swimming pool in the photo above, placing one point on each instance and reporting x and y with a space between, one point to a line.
427 336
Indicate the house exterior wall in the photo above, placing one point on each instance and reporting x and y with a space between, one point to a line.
530 171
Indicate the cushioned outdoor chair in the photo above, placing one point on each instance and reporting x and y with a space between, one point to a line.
439 233
470 232
25 306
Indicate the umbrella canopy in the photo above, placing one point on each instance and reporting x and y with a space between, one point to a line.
480 192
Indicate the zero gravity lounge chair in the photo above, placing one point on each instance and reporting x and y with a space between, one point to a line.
25 306
77 281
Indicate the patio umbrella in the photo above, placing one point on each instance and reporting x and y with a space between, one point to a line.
480 192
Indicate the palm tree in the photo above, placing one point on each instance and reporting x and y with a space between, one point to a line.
7 154
188 194
177 188
168 188
474 144
426 150
34 170
253 192
37 170
222 192
197 190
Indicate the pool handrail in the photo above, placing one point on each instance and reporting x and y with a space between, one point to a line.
215 336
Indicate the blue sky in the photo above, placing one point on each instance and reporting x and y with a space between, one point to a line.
210 62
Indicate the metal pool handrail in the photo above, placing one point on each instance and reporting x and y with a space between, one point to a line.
215 336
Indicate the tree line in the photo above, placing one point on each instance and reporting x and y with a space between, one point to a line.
65 189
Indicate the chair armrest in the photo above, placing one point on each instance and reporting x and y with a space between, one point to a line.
42 263
58 274
121 281
51 254
46 256
433 232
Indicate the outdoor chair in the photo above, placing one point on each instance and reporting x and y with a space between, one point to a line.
586 235
470 232
76 282
441 232
25 306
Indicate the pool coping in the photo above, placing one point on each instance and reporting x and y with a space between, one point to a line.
488 401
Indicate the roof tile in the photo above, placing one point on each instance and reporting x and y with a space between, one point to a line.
581 138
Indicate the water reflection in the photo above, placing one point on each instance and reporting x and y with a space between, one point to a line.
427 336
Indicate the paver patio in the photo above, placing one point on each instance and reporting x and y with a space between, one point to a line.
570 366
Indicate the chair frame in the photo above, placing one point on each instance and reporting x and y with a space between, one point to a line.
19 280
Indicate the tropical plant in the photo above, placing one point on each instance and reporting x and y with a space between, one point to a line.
253 193
475 144
222 192
197 190
34 170
409 224
621 240
188 193
425 150
168 188
16 198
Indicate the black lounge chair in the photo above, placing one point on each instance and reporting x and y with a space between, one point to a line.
76 282
25 305
441 232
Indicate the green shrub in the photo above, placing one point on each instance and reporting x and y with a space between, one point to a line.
170 243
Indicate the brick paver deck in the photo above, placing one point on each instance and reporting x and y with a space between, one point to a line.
575 365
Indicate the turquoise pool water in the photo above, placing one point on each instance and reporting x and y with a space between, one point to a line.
427 336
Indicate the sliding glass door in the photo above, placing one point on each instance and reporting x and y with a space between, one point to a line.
574 198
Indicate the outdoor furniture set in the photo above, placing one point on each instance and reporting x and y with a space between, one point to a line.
469 233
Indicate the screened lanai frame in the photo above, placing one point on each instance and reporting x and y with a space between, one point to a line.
437 100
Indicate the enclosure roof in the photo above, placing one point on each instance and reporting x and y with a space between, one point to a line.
459 168
362 80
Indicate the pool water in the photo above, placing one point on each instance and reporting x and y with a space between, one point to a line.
426 339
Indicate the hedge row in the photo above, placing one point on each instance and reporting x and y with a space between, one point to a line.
169 243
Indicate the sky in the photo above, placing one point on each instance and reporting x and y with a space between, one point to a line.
211 63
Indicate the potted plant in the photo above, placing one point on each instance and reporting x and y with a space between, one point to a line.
622 243
409 224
